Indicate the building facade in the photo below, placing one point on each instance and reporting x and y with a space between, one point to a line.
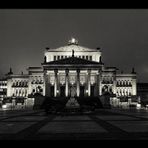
71 68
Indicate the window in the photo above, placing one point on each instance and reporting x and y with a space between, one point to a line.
83 57
61 57
58 57
86 57
90 58
54 58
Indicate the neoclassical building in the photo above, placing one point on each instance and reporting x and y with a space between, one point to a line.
71 69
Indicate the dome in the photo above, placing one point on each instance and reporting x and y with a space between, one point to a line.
73 45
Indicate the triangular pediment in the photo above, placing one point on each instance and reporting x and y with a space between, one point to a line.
72 61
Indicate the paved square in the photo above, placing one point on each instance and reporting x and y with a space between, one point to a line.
104 124
71 118
131 126
13 127
116 117
74 127
26 118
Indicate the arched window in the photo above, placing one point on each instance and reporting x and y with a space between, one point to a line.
23 83
110 90
19 92
120 92
20 83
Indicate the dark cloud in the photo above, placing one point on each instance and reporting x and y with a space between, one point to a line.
122 35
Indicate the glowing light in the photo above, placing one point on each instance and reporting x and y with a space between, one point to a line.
73 40
138 106
4 106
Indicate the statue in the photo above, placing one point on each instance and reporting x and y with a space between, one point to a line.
73 53
10 72
100 60
133 71
45 59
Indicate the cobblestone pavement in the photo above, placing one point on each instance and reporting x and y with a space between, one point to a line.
104 124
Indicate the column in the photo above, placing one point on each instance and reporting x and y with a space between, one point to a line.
66 82
89 85
55 83
114 83
78 82
45 82
134 86
100 81
98 84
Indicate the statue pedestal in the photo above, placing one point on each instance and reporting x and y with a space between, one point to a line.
72 103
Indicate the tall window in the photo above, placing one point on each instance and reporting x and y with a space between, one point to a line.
86 57
58 57
90 58
54 58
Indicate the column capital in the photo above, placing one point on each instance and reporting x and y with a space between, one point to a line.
78 70
66 71
89 71
99 71
56 71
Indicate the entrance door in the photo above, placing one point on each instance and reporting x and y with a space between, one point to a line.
62 91
82 88
92 91
52 91
73 91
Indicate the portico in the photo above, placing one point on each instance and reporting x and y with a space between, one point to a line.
75 75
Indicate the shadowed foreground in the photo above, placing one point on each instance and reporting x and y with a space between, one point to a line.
103 124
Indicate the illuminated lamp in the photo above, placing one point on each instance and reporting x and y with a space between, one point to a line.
4 106
138 106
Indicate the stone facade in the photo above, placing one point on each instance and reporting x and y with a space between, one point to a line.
72 69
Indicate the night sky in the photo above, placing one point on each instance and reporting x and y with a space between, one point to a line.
121 34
